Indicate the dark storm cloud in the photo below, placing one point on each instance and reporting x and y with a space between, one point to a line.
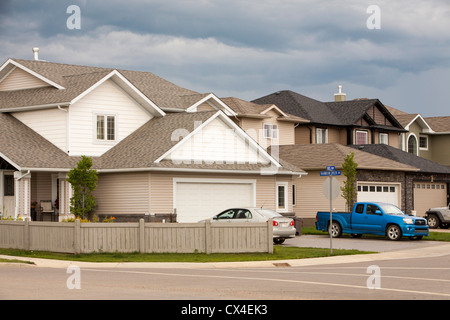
249 48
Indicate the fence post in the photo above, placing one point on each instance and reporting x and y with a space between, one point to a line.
208 237
26 235
270 236
77 237
141 236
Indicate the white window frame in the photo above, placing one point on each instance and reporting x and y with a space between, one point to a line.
427 141
416 151
386 138
105 129
320 135
361 131
270 131
284 185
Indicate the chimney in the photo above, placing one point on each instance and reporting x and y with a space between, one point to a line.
36 53
340 96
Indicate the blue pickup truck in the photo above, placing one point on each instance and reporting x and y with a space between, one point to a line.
373 218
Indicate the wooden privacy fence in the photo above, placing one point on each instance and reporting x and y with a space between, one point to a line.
141 237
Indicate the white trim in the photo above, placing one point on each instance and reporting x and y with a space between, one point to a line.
251 182
228 110
286 196
276 108
11 162
37 75
428 142
361 131
122 79
237 129
36 107
417 143
422 123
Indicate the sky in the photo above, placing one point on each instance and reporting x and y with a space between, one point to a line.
396 51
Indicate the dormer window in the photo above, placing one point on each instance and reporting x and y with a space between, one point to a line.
106 127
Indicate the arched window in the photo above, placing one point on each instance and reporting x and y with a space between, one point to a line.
412 144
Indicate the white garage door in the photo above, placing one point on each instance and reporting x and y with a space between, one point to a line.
198 200
429 195
378 192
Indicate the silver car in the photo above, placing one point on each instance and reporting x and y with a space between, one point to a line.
283 227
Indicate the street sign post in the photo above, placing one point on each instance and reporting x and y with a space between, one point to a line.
331 171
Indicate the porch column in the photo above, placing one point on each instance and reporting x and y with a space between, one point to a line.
23 194
64 195
2 192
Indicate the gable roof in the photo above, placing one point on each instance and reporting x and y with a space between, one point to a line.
386 151
248 109
25 149
319 156
70 81
344 113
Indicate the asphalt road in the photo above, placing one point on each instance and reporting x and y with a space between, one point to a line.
402 270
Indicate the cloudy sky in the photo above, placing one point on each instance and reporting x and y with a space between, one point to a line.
251 48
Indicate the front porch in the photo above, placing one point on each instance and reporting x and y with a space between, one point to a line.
23 194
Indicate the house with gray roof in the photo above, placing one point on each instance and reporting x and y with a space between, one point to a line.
158 148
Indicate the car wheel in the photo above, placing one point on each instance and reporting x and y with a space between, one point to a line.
433 221
335 229
393 232
278 241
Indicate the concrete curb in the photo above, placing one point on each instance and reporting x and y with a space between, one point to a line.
432 251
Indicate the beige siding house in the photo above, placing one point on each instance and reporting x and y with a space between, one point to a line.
158 148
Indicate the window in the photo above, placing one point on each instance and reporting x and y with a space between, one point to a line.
8 185
423 142
362 137
282 195
371 209
321 135
293 195
412 144
359 208
106 127
384 138
270 131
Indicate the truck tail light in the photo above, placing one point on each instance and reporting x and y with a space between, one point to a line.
275 224
291 223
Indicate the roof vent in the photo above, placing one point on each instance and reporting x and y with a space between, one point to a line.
340 96
36 53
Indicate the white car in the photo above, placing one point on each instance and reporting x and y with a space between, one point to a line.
283 227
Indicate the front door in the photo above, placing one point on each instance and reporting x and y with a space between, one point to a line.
9 200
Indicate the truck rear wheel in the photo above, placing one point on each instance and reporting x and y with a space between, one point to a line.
394 232
335 229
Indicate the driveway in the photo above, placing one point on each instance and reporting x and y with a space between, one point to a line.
376 245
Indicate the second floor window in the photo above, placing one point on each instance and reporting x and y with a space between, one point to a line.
321 135
270 131
106 127
362 137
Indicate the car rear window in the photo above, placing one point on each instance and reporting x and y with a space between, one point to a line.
268 213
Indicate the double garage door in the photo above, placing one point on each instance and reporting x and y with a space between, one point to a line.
379 192
200 199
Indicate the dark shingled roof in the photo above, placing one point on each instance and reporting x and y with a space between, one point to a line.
385 151
345 113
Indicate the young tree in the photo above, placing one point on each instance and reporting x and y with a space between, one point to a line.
348 190
83 180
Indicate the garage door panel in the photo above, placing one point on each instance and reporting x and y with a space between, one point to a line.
429 195
378 192
199 200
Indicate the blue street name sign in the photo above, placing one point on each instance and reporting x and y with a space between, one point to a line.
335 173
325 173
331 168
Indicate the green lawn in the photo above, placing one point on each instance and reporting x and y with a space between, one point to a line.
280 253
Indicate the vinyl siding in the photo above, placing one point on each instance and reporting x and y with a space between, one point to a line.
108 99
122 193
49 123
310 198
18 79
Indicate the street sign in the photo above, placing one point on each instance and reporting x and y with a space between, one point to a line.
331 190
